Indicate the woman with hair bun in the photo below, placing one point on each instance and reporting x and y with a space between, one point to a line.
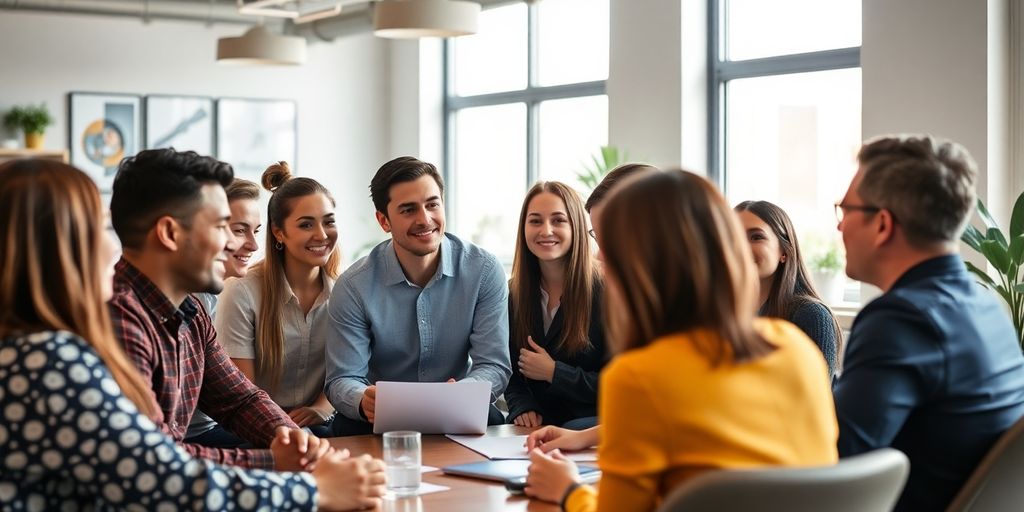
273 321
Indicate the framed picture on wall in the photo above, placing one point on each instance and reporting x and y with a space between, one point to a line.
103 129
182 122
254 133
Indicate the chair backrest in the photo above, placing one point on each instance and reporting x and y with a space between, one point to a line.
867 482
995 483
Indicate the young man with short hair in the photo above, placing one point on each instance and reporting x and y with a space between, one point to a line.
424 306
170 212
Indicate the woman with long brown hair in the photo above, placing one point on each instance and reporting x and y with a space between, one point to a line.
698 383
556 338
75 429
273 321
785 290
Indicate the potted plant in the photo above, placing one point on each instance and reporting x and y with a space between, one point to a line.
593 172
826 266
1005 253
32 120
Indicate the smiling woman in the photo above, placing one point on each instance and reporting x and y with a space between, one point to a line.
557 338
785 290
273 321
243 197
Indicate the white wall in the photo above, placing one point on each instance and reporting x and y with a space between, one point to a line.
941 67
657 81
342 90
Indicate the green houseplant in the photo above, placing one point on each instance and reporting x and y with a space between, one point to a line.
608 158
1005 253
32 120
826 264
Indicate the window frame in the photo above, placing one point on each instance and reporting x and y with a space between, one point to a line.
532 96
720 72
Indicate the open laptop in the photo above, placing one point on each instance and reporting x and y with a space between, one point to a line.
432 407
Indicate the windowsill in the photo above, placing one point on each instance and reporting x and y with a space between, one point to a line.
845 313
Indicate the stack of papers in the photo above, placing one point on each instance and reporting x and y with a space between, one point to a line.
512 447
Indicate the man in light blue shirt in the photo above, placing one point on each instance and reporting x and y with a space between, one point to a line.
421 307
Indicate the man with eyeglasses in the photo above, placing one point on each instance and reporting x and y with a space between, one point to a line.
932 366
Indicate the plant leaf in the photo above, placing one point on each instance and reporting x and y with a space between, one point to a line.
609 155
1017 249
986 217
983 278
995 235
606 159
996 254
972 237
1017 218
1019 287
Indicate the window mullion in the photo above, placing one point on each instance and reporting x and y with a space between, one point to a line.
532 34
532 143
448 135
714 84
532 106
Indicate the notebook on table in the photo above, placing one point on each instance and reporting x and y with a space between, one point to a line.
432 407
503 470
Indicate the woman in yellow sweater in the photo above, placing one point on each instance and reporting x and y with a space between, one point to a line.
699 383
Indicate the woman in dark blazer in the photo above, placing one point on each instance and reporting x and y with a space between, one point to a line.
556 336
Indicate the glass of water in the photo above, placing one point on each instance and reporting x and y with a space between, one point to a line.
402 457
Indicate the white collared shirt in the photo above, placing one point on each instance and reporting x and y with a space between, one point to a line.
305 336
549 316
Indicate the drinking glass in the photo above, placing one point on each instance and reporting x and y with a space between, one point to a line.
402 457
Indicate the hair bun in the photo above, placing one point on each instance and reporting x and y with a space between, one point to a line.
276 175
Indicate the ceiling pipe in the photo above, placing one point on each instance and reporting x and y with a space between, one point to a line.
354 19
201 12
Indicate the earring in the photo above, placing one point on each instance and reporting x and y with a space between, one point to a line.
279 246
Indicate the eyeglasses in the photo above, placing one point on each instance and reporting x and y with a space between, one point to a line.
592 235
842 208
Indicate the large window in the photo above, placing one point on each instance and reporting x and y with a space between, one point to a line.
525 102
785 119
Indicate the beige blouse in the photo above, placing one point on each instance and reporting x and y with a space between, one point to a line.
302 375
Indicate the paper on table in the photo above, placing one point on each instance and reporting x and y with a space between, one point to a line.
511 447
425 488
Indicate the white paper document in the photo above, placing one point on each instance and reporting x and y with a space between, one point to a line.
425 488
512 447
432 407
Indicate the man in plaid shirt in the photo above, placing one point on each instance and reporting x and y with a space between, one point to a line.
170 212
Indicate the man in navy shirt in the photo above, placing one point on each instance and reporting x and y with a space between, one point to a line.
932 366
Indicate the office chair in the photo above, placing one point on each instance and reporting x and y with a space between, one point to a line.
867 482
995 485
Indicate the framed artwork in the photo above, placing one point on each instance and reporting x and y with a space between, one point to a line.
104 128
182 122
254 133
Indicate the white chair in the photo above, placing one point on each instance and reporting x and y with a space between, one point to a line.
869 482
996 483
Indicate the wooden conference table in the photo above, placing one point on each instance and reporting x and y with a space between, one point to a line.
466 494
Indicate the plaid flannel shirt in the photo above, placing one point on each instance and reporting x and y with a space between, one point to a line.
176 349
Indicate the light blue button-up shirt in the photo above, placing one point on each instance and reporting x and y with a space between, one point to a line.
383 327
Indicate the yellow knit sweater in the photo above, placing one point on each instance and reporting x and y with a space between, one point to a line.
668 415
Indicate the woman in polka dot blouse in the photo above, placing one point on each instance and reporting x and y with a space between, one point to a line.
75 431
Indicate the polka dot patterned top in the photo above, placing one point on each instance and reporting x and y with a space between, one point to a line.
70 440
